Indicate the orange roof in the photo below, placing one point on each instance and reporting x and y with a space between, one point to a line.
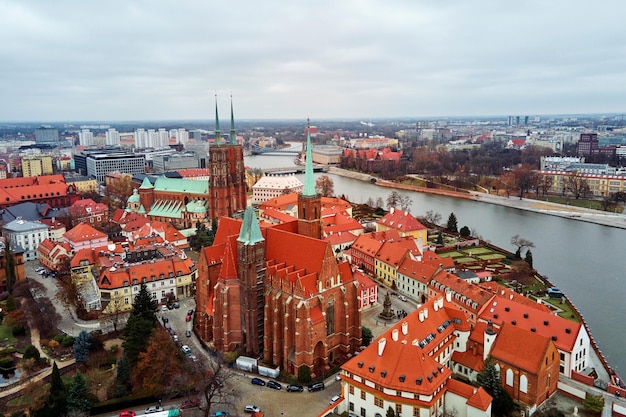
401 220
476 397
503 310
504 292
469 360
461 288
528 355
364 280
89 203
338 238
393 252
276 216
417 270
193 172
82 232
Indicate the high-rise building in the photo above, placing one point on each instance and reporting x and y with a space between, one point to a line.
112 137
36 165
141 139
85 137
163 140
181 135
49 135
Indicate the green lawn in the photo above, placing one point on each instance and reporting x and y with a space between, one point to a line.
585 203
491 257
453 254
464 260
477 251
567 312
6 335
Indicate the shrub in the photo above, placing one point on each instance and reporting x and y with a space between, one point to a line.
32 352
304 374
19 331
6 362
67 341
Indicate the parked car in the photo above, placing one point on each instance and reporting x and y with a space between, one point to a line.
186 350
188 333
175 337
294 388
274 385
163 308
251 409
257 381
190 312
334 399
318 386
176 305
165 319
221 414
128 413
193 358
402 298
153 409
188 318
170 306
190 403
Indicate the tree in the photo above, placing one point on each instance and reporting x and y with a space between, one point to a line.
158 364
525 179
31 352
366 335
452 224
594 403
304 374
433 217
439 238
203 238
118 190
379 202
489 378
393 199
9 266
325 186
140 323
521 243
405 203
122 377
465 231
55 404
529 258
210 379
77 402
390 412
577 185
82 344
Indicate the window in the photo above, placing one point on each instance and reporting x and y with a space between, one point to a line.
351 389
379 402
330 316
398 409
523 384
509 377
416 412
363 395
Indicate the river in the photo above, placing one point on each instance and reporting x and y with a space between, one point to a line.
582 259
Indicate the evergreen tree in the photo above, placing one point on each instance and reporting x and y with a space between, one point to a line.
11 305
390 412
529 258
123 370
489 378
9 266
140 323
77 402
366 336
56 402
452 225
82 344
439 238
304 374
31 352
465 231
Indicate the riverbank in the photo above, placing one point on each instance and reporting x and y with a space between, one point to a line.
553 209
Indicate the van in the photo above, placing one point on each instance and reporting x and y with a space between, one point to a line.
554 293
318 386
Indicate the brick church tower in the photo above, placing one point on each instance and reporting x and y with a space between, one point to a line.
309 202
251 257
227 184
146 194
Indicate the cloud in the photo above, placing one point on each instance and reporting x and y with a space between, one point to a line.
119 60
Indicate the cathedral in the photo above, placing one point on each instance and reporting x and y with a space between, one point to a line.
277 293
187 203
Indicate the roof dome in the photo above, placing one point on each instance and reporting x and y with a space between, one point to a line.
134 198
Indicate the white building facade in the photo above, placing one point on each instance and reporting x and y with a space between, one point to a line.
26 235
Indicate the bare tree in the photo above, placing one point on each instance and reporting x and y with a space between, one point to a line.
379 202
325 186
521 243
215 384
393 199
433 217
578 186
405 203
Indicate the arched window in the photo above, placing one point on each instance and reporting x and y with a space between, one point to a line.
509 377
330 316
523 384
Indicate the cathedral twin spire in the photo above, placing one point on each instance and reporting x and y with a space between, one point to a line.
309 181
232 140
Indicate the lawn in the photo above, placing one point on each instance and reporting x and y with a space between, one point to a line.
567 312
464 260
6 334
585 203
453 254
477 251
491 257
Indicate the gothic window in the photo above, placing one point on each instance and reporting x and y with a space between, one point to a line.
509 377
330 316
523 384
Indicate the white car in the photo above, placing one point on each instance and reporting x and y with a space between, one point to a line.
153 409
186 349
335 399
251 409
402 298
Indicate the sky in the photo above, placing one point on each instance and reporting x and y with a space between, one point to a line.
71 60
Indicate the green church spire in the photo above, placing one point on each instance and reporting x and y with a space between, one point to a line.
217 124
250 232
309 181
233 133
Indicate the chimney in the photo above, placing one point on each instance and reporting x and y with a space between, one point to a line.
436 306
421 315
391 210
381 346
425 313
405 328
394 335
448 296
440 301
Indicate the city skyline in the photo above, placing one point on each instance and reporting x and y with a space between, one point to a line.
121 61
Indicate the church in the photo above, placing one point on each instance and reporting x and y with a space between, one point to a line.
187 203
277 293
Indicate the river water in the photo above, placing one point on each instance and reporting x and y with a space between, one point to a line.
582 259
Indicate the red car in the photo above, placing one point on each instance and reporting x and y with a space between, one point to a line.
190 403
128 413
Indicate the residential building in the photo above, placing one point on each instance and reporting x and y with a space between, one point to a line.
26 235
47 135
54 255
56 229
18 261
413 277
599 185
36 165
48 189
404 223
272 186
368 290
365 248
175 162
84 236
85 137
390 255
88 211
112 137
83 185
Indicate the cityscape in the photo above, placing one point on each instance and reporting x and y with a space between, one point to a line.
179 217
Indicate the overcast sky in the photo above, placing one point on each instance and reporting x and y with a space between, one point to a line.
155 60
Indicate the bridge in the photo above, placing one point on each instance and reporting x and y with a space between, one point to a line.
259 150
295 169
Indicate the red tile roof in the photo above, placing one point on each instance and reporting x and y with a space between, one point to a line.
82 232
503 310
401 220
527 355
476 397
